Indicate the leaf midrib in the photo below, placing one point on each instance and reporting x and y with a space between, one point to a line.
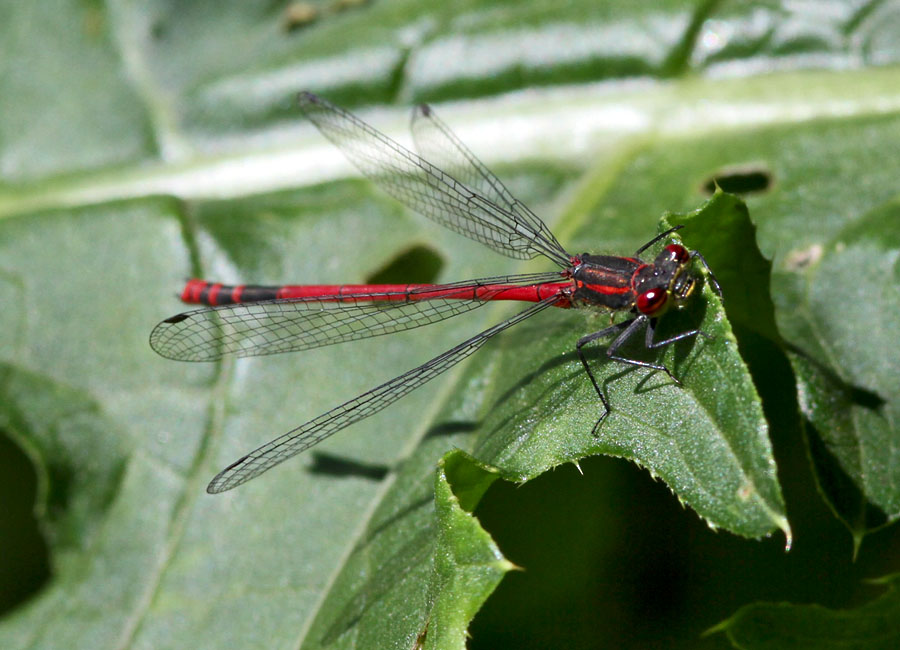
263 163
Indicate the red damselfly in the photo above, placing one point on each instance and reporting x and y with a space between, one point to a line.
459 192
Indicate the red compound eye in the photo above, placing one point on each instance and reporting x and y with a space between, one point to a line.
651 301
679 253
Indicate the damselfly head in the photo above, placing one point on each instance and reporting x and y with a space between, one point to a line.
676 259
656 297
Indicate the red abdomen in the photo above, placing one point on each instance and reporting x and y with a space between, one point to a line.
201 292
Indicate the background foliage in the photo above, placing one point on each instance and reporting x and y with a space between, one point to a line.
141 143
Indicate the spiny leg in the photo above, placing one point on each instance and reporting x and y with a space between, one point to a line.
629 327
650 343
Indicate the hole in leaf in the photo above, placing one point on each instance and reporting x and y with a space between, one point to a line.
25 561
418 265
740 180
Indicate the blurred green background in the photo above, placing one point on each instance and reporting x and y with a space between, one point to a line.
141 143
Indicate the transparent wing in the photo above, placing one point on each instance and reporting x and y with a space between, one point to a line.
436 143
293 324
358 408
430 191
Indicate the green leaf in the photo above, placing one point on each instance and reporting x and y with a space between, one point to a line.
421 574
468 565
726 237
708 440
847 364
873 626
141 143
815 196
53 421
